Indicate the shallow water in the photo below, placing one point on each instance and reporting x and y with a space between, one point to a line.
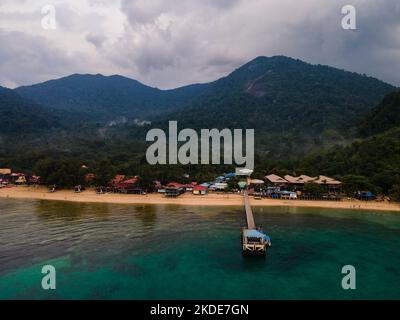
104 251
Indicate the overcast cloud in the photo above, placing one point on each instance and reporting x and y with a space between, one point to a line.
170 43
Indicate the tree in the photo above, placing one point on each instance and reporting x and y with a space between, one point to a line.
353 183
395 192
63 173
386 180
104 173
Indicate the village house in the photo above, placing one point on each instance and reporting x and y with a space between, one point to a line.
298 183
276 181
200 190
331 184
5 175
173 192
4 172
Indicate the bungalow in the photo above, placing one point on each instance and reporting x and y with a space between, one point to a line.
220 186
206 184
128 183
330 184
200 190
189 187
301 180
173 192
256 182
128 187
17 178
175 185
21 180
4 172
117 180
276 181
186 187
298 182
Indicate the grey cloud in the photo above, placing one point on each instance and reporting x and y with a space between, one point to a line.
72 20
97 39
219 35
146 11
168 43
25 59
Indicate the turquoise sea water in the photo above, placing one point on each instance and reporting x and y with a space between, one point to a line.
103 251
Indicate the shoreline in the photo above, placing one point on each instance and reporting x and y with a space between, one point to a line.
212 199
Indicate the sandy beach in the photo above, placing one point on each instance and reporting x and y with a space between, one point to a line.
186 199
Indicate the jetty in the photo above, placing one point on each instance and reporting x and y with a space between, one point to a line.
249 212
254 240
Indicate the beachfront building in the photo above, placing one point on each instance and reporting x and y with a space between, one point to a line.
117 180
200 190
220 186
189 186
4 172
5 175
21 180
129 187
277 184
17 178
297 183
276 181
331 185
173 192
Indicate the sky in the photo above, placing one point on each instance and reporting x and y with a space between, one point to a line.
171 43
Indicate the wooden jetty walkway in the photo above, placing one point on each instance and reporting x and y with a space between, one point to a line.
254 241
249 212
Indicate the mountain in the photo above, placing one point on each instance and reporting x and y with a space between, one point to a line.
275 94
281 94
99 98
375 158
384 116
20 115
294 106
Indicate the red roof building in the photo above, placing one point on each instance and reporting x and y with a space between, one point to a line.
175 185
200 190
